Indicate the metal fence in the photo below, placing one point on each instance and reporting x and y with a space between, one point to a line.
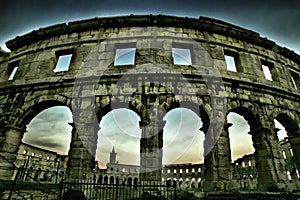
89 189
12 189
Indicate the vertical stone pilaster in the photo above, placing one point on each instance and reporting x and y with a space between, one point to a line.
211 156
9 150
83 147
218 170
224 152
269 163
151 145
151 151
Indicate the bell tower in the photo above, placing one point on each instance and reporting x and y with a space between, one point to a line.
112 156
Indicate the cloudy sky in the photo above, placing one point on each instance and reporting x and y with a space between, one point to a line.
276 20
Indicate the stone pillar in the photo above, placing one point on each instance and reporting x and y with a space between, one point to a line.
82 151
9 149
269 162
210 160
224 151
218 169
151 146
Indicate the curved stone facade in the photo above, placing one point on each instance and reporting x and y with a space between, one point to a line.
155 83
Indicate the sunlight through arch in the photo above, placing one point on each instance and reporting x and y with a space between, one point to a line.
183 140
50 130
119 129
281 133
240 141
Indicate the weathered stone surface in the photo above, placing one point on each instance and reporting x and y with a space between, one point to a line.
93 86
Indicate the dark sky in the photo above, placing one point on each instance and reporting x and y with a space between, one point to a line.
276 20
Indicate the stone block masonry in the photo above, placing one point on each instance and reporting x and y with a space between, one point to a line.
92 85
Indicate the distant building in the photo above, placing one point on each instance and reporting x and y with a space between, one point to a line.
35 163
288 155
190 175
113 156
245 173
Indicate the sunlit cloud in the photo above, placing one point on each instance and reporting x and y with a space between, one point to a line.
50 130
182 138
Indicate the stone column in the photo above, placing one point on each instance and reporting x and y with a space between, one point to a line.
210 160
218 169
9 149
83 146
224 151
269 162
151 146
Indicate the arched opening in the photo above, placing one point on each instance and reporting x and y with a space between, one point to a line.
106 180
129 181
288 134
281 133
118 140
241 146
183 140
111 180
240 141
100 177
290 126
46 142
50 130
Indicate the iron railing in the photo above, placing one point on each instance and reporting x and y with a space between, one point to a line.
90 189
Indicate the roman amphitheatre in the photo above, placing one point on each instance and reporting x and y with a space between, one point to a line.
152 64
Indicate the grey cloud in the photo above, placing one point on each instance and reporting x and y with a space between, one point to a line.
48 129
47 144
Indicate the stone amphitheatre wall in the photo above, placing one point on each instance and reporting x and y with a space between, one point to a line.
93 86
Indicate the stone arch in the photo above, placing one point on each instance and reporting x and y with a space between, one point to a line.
193 148
249 117
248 114
135 182
16 126
35 109
111 180
100 177
32 112
102 111
289 124
105 180
129 181
201 111
291 144
270 174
